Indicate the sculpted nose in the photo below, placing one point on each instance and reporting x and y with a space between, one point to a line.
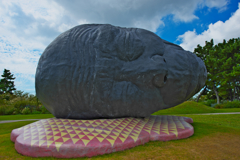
161 78
203 77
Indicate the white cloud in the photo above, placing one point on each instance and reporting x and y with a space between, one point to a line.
21 62
28 26
217 31
216 3
36 23
145 14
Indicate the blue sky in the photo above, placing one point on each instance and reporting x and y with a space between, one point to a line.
206 16
28 26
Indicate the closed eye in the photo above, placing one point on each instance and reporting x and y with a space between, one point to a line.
157 57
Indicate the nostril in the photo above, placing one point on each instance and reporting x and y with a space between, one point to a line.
165 78
164 60
159 80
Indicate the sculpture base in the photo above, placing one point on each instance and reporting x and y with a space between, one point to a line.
67 138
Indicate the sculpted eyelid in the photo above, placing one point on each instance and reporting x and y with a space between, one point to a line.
156 56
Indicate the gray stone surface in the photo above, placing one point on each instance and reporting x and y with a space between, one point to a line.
104 71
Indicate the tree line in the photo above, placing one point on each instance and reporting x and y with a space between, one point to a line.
14 101
223 69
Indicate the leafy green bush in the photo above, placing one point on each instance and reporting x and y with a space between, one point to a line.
20 105
17 106
233 104
17 102
218 106
6 96
26 110
44 110
209 102
36 112
3 101
2 110
6 110
9 110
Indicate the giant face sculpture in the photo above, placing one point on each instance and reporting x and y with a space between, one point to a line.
103 71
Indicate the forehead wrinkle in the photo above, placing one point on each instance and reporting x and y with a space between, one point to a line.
129 44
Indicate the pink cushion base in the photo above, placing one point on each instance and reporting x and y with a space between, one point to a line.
67 138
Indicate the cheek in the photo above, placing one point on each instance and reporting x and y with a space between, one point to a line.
144 72
178 79
175 90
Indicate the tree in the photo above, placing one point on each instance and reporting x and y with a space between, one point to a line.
204 90
1 86
231 69
206 54
223 66
7 83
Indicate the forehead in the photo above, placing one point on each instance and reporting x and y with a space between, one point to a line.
152 42
127 44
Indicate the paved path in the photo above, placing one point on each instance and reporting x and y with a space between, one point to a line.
218 113
10 121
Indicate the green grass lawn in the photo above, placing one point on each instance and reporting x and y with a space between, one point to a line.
229 120
31 116
190 107
215 137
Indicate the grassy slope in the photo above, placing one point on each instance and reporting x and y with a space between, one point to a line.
31 116
229 120
190 107
215 137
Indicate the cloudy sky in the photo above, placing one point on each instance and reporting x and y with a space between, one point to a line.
28 26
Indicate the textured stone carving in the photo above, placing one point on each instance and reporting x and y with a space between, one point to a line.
103 71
